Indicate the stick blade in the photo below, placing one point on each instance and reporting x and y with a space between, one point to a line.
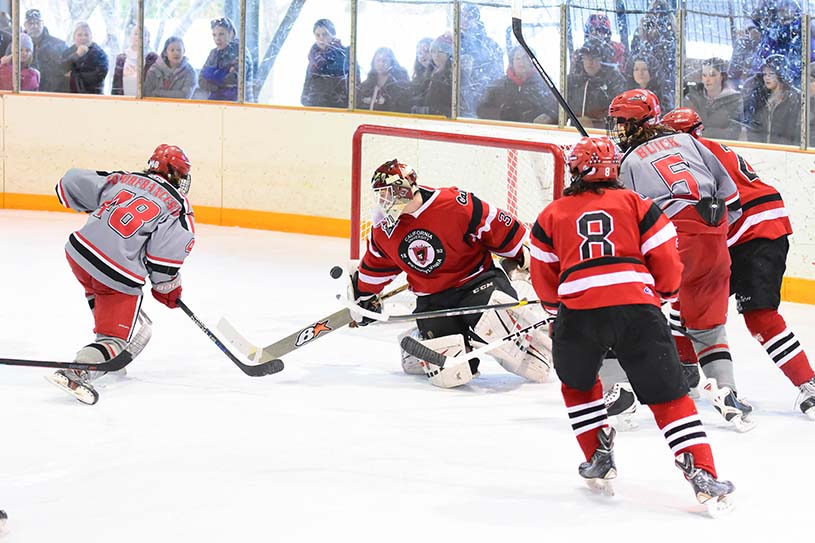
236 339
267 368
422 352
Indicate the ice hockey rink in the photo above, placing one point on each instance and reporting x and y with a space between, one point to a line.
341 445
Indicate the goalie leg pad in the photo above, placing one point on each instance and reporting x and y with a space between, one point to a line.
451 345
528 357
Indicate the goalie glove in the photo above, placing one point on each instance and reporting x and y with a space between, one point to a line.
517 269
364 300
168 292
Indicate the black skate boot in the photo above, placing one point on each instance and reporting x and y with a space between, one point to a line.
622 403
734 410
600 470
806 399
76 384
714 494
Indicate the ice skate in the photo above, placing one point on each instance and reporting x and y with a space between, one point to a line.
734 410
621 402
75 383
806 398
600 470
716 495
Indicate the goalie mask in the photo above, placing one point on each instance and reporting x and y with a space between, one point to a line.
394 185
594 160
684 119
170 162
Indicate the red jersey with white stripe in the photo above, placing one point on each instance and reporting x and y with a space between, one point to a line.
139 226
444 244
763 213
601 250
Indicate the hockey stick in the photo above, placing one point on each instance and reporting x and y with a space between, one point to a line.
422 352
469 310
131 351
259 370
517 29
301 337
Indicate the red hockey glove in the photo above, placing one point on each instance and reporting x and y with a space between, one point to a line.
169 292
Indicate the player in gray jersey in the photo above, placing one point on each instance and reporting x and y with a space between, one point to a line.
140 226
694 190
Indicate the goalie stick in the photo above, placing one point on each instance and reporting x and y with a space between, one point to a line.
468 310
517 30
259 370
422 352
301 337
118 362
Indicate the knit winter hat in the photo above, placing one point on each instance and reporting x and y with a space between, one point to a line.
443 43
26 42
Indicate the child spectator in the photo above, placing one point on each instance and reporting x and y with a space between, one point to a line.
85 64
219 76
717 103
521 96
29 77
386 84
326 83
125 74
171 76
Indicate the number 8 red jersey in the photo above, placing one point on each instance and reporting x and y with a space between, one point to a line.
601 250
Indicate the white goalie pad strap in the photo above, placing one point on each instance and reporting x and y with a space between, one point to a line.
528 357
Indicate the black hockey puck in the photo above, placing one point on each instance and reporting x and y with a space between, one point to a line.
336 272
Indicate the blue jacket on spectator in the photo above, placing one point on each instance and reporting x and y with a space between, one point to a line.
219 76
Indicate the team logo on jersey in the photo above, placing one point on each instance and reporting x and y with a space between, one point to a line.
307 334
422 251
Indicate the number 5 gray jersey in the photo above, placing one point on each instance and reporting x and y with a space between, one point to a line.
139 226
676 171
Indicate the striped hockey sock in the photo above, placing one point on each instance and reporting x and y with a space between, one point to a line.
587 413
684 432
781 344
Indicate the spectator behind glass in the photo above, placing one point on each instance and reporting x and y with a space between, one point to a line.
718 104
171 76
778 106
219 76
598 26
85 64
780 25
741 62
521 96
423 65
640 78
481 63
47 57
386 85
592 84
326 83
436 98
29 77
125 73
5 32
655 38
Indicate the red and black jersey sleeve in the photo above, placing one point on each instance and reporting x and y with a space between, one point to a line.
497 230
658 247
376 270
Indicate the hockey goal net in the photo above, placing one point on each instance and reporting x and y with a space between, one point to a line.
518 176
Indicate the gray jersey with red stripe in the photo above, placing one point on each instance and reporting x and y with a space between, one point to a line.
676 171
139 226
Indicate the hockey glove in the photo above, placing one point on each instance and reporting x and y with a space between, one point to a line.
517 269
364 300
168 292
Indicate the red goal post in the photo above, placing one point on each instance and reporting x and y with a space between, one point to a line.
517 175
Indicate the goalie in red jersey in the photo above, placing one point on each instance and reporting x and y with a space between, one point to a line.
444 239
603 260
758 253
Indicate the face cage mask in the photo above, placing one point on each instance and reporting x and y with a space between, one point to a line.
391 203
618 132
184 184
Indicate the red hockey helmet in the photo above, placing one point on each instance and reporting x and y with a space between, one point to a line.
394 185
594 160
637 105
684 119
170 162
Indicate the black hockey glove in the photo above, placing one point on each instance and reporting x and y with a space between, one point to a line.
364 300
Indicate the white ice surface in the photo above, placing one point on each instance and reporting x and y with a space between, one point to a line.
340 446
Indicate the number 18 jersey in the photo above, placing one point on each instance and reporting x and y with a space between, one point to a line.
139 226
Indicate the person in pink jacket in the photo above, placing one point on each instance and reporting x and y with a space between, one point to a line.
29 77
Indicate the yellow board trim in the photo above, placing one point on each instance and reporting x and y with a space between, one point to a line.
793 289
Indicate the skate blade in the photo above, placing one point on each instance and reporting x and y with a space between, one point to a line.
625 424
603 486
810 413
717 507
742 425
83 394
